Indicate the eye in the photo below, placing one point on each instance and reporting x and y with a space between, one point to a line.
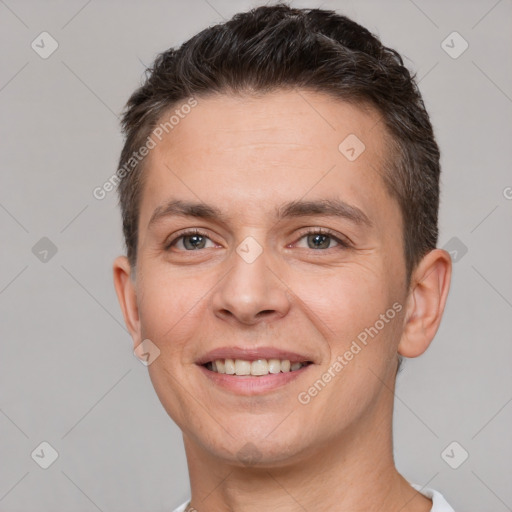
191 240
316 239
322 239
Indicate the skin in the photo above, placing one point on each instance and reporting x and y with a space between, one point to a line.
248 155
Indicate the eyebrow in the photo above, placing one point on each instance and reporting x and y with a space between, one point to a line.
292 209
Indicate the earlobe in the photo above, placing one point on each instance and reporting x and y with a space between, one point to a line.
430 284
127 297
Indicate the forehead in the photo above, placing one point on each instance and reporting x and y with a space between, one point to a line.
308 120
246 152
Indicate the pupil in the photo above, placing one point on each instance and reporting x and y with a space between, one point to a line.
195 238
323 245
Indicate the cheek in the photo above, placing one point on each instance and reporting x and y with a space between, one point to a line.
361 342
169 305
346 300
346 309
170 313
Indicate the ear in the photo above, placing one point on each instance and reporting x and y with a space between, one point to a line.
127 297
430 283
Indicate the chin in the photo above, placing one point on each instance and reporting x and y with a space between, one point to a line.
261 446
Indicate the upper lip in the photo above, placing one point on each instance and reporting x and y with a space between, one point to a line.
252 354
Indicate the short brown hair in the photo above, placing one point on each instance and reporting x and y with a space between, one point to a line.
279 47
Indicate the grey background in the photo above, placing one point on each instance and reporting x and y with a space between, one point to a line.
67 373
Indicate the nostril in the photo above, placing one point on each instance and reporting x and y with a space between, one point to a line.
266 312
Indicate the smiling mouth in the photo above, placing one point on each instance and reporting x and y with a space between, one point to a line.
255 368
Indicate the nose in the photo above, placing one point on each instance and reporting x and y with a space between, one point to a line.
251 291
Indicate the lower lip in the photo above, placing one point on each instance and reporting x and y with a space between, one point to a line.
250 385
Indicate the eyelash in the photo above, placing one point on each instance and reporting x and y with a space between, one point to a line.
342 244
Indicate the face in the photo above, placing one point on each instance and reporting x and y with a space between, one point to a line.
298 256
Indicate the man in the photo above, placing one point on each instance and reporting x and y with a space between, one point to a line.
279 187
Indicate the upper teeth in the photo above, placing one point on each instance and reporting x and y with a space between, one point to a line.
258 367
